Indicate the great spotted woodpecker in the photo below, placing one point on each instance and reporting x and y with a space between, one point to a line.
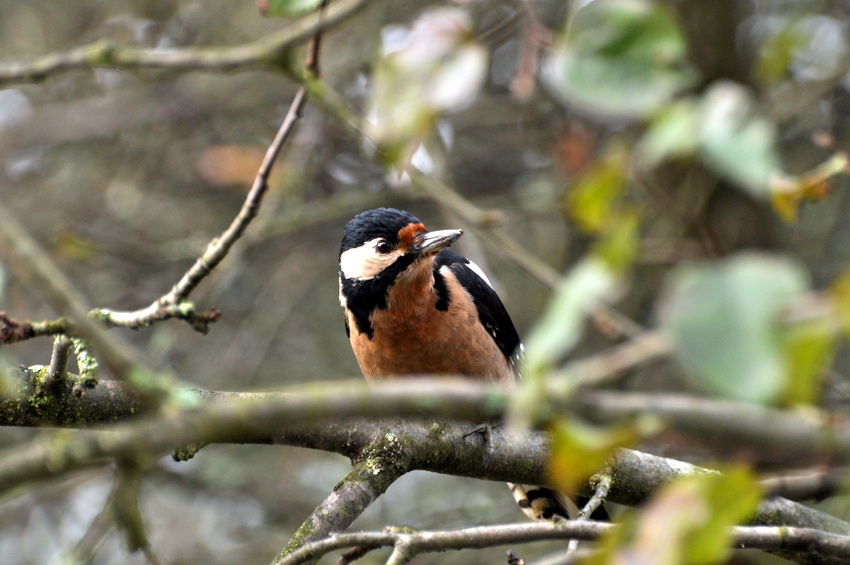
413 307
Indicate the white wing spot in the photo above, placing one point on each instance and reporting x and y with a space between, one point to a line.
477 270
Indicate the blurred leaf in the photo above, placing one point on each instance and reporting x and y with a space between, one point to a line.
775 56
732 498
590 283
808 349
231 164
575 148
440 70
578 451
686 523
725 319
72 245
286 8
619 246
736 141
839 291
620 58
787 193
671 134
590 198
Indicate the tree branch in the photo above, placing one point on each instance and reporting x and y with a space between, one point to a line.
368 480
797 541
268 51
319 417
174 303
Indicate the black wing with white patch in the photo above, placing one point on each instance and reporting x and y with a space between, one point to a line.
491 311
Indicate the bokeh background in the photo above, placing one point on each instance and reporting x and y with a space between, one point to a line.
125 176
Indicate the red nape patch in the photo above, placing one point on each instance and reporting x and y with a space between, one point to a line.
407 233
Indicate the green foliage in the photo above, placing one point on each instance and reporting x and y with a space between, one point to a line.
671 134
287 8
686 523
578 451
808 349
591 197
620 58
726 320
440 70
735 140
590 283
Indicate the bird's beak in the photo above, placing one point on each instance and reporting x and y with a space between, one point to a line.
433 241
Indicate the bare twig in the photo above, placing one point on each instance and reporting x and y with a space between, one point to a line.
613 362
57 372
412 543
812 485
33 265
268 51
368 480
761 433
88 546
174 303
602 485
796 540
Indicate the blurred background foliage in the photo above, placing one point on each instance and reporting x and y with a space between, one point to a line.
689 125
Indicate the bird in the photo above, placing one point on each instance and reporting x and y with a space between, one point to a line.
414 307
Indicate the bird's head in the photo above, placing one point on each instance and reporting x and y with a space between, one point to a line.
383 243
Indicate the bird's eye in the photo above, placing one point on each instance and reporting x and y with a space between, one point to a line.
383 247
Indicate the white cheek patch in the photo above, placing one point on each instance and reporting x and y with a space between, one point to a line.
364 262
477 270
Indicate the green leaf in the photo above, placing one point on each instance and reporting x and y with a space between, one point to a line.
287 8
775 56
619 58
439 71
619 245
736 141
732 498
688 522
591 197
671 134
578 451
725 318
809 347
590 283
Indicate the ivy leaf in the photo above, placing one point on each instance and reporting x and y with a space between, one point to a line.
439 71
688 522
737 142
619 58
671 134
590 283
591 197
725 318
578 451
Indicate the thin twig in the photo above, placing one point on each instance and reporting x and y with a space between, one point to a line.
174 303
91 542
406 545
367 481
602 486
31 264
614 362
268 51
57 372
790 539
814 485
